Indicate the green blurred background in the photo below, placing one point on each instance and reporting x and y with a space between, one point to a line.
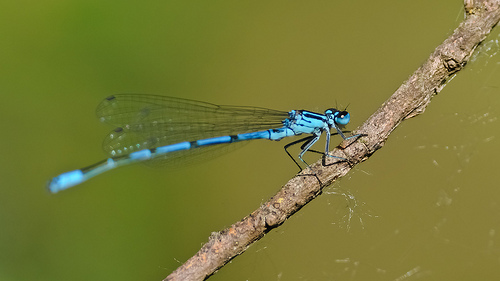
425 207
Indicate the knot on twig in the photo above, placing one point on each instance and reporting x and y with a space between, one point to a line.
451 64
469 7
475 6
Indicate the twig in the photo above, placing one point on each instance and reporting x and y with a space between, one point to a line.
409 100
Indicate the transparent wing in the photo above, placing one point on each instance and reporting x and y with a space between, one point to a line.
148 121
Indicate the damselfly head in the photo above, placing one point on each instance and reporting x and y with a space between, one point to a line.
337 117
342 118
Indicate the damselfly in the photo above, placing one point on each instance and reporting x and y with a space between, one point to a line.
163 129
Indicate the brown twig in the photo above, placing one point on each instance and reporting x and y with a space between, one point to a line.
409 100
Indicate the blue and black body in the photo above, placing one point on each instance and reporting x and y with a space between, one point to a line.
162 130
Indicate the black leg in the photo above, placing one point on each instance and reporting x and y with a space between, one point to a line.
305 141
